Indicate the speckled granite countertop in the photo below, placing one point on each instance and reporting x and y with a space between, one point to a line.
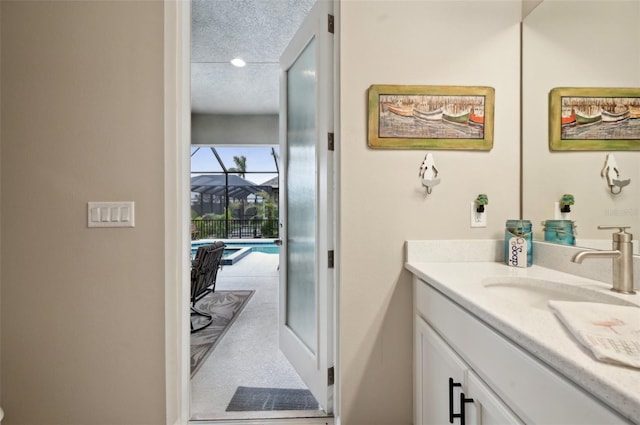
535 329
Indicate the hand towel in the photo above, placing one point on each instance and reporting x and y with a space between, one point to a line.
611 332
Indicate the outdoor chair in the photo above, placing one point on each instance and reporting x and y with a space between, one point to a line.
204 273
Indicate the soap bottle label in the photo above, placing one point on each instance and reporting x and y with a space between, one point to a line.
517 252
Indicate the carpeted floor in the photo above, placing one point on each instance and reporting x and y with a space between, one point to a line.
225 306
251 399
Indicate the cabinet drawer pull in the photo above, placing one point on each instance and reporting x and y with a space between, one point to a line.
463 401
451 386
462 414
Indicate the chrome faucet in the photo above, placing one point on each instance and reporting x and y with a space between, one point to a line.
622 255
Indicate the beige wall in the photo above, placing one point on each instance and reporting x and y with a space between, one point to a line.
82 120
82 310
0 205
382 202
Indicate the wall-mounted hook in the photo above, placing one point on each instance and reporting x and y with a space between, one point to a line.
429 173
611 173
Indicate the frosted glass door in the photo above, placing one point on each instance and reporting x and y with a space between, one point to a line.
302 192
306 311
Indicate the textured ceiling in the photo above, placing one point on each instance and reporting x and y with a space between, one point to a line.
258 31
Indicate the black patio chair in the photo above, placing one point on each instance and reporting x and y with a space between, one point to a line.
204 273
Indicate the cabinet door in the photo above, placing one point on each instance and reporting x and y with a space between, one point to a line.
434 364
487 408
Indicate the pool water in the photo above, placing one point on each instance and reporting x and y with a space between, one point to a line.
225 253
267 248
234 251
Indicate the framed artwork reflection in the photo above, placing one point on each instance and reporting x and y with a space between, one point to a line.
594 119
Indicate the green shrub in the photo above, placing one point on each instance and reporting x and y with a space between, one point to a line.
251 211
269 229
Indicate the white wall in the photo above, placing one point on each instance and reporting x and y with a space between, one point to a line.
382 202
209 129
568 44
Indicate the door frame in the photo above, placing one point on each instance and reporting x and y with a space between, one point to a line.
177 131
177 137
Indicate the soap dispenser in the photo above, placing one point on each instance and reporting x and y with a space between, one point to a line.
518 243
561 229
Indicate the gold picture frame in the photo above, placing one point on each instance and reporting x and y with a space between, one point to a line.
583 119
430 117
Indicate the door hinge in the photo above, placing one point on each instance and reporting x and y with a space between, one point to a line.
330 376
330 22
330 259
330 141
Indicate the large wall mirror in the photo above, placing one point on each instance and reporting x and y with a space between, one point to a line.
575 43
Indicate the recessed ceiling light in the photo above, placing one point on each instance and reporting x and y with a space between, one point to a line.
238 62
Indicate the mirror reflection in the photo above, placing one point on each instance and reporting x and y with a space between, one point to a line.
577 44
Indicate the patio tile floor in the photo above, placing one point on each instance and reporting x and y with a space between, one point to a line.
248 354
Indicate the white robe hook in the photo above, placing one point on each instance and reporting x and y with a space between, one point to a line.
611 173
429 173
610 169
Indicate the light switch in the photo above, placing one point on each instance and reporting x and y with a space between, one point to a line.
94 214
114 214
104 214
110 214
124 213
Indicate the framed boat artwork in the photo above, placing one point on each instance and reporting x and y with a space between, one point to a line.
430 117
582 119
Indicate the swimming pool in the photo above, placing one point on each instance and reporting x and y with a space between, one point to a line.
235 249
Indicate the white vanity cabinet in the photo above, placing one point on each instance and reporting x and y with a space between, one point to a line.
506 383
446 390
487 408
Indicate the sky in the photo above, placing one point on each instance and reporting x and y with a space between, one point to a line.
259 159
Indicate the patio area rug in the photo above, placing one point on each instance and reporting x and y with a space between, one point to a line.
225 306
251 399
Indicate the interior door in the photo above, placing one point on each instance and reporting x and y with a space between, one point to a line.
306 279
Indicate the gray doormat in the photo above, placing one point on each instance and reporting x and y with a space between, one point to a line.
251 399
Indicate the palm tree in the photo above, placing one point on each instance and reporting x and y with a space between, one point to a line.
241 165
240 169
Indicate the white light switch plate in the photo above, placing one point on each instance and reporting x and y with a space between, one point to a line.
478 219
110 214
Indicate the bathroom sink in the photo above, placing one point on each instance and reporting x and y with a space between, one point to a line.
536 293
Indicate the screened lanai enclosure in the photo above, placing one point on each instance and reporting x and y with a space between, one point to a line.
234 192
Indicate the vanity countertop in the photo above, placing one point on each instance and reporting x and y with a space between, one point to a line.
537 330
